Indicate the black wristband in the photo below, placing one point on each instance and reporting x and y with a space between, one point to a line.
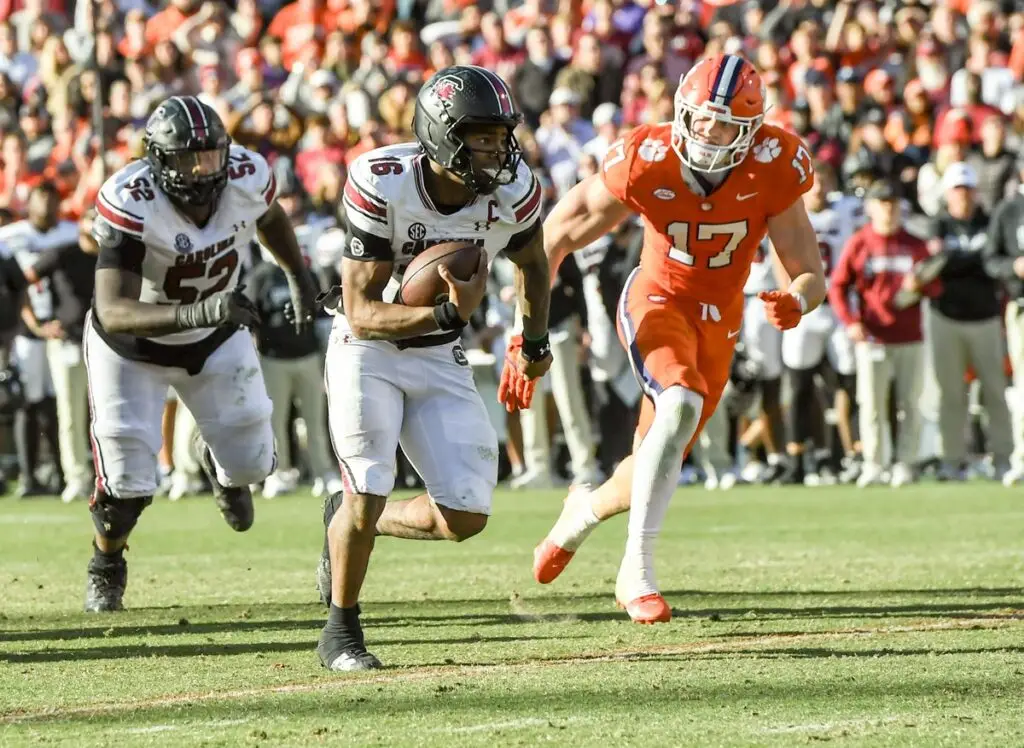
536 349
447 317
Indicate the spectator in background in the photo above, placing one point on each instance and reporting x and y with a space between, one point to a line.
293 369
17 65
532 14
994 165
534 80
964 325
1004 261
567 319
607 120
953 142
561 138
71 269
874 265
493 51
594 80
26 241
658 52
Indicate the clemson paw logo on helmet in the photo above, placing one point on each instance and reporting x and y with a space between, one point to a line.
653 150
767 150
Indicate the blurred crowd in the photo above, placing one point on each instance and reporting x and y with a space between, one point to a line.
906 92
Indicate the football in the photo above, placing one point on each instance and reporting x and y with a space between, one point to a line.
422 285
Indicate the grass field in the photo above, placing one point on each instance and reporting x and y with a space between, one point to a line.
855 617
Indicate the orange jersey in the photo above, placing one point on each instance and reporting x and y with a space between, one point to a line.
698 246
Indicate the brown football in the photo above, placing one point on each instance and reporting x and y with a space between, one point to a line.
422 285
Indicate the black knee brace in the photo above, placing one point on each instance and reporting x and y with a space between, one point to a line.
115 518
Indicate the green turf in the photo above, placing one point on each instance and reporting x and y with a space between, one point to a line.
857 617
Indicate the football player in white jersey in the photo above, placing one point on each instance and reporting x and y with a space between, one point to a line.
168 312
820 336
397 374
763 343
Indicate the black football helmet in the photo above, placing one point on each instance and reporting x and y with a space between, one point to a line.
187 147
453 101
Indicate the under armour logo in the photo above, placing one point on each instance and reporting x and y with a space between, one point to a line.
238 226
492 217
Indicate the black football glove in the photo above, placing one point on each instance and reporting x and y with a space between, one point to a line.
301 311
224 309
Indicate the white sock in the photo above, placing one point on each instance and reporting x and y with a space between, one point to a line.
655 473
576 522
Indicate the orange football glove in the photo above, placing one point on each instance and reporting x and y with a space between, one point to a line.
781 308
515 391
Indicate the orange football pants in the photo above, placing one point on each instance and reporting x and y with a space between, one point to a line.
676 340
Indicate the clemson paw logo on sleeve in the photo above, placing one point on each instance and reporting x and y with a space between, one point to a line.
767 150
653 150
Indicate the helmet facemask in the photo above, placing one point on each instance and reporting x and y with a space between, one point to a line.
483 180
195 177
706 157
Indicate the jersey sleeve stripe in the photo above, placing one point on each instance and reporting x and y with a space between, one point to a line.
126 224
531 204
118 209
360 201
271 190
529 192
368 194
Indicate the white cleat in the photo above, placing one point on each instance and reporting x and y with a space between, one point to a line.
74 490
870 475
182 485
329 484
531 480
902 475
280 482
1013 476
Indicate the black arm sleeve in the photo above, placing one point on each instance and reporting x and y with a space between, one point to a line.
117 249
520 240
366 247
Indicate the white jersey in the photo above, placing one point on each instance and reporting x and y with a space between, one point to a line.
392 218
181 262
762 276
833 226
25 243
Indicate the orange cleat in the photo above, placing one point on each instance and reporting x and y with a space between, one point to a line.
649 609
549 560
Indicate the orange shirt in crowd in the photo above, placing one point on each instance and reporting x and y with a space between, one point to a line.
162 26
297 27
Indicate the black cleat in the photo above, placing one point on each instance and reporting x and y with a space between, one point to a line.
323 569
235 504
343 650
793 474
106 580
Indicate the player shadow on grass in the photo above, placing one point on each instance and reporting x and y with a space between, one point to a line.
227 649
825 653
538 610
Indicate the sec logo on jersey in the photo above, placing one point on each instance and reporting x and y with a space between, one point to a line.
182 243
417 231
355 246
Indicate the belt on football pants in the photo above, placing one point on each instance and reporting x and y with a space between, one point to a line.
427 341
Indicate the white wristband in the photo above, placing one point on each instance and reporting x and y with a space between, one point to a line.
803 302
